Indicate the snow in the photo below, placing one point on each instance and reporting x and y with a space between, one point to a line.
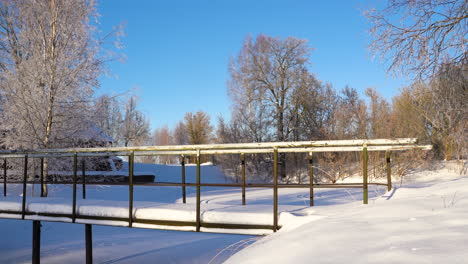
421 221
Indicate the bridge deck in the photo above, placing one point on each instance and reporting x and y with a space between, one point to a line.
251 219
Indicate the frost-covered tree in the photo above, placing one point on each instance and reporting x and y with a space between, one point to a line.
135 127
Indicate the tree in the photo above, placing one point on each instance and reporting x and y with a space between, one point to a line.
108 116
269 81
50 60
162 137
419 36
179 135
135 127
198 127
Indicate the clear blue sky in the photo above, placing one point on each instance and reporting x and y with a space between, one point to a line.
178 51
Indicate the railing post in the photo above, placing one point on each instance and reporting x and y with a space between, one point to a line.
198 220
243 177
131 159
311 180
42 178
89 243
75 168
364 174
275 189
5 177
25 175
83 172
184 191
389 170
36 242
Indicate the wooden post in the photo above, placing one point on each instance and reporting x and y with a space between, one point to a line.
5 177
131 159
42 178
243 177
311 180
83 173
36 242
389 170
75 168
365 158
275 189
184 190
25 175
198 220
89 243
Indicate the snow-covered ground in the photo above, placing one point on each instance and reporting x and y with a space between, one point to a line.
424 220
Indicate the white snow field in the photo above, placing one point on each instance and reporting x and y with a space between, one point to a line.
422 221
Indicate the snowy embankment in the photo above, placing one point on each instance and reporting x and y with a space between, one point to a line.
423 221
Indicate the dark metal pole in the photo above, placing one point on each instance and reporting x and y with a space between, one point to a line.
198 192
184 192
311 180
42 178
275 190
389 170
83 172
25 175
131 159
243 177
89 243
4 177
36 243
364 173
75 168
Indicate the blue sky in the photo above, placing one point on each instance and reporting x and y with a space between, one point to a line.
178 51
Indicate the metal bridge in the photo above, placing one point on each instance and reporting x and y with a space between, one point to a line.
188 217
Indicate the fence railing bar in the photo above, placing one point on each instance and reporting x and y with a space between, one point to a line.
364 175
243 177
25 175
275 190
184 191
4 177
311 180
75 168
389 170
131 160
198 216
83 173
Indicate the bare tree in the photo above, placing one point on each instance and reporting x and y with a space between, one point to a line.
419 36
135 127
179 134
49 63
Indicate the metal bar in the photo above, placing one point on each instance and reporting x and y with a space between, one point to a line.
389 170
275 190
184 191
131 159
36 242
25 175
83 173
311 180
243 177
42 178
75 168
198 220
89 243
4 177
364 175
265 145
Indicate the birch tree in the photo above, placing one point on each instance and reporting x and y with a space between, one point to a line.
420 36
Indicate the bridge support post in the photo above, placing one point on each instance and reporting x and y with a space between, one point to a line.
36 242
4 177
89 243
365 158
243 177
184 191
389 171
311 180
198 220
275 189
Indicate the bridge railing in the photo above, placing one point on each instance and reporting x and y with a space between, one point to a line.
273 148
